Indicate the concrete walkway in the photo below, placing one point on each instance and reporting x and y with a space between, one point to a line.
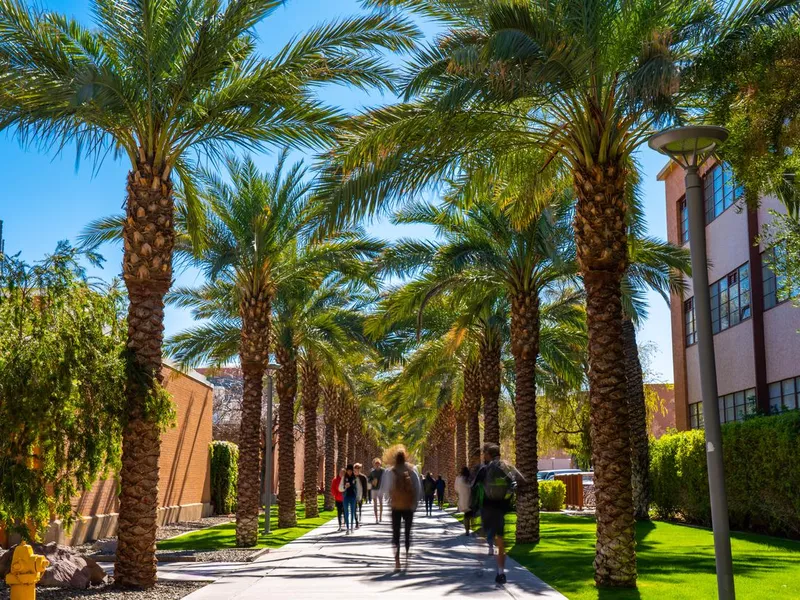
329 565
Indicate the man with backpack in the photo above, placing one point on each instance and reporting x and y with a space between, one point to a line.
496 481
404 488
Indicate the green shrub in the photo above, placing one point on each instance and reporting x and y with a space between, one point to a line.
224 476
762 475
552 495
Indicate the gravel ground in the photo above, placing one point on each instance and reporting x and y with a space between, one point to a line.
164 590
227 555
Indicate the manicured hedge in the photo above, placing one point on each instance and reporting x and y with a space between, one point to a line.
762 475
224 476
552 495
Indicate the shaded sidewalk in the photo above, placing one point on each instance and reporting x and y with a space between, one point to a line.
327 564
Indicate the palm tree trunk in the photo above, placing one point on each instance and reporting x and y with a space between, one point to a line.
525 348
149 238
330 447
449 454
490 390
461 439
637 413
341 442
602 255
351 443
286 384
310 452
254 349
472 404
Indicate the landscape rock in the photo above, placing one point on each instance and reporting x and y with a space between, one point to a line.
106 546
67 567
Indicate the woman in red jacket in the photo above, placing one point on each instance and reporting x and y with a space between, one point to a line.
338 496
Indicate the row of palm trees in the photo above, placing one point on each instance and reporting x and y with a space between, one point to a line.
537 91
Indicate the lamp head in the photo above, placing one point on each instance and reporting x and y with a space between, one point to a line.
689 146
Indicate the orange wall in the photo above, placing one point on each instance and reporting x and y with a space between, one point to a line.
184 465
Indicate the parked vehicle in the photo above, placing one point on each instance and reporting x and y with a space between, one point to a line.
548 475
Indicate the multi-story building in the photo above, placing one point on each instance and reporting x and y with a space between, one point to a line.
755 326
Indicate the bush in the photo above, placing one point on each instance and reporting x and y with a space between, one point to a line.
552 495
762 475
224 476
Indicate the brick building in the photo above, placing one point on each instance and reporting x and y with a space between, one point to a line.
185 485
755 327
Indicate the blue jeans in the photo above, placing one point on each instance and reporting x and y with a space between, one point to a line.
350 511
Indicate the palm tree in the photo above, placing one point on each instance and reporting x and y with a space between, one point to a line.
584 82
249 223
157 82
483 248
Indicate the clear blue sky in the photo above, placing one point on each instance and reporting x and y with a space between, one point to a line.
48 199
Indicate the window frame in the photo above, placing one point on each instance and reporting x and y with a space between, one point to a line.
696 420
782 395
724 195
683 221
725 302
689 318
772 280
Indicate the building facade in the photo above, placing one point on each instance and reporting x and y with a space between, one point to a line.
755 326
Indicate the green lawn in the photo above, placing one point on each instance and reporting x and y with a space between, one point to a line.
675 562
224 536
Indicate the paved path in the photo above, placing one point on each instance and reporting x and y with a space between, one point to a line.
329 565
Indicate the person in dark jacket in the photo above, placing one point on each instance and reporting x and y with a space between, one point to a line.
429 491
348 486
362 491
440 487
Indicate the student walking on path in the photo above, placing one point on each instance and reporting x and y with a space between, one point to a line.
338 497
403 485
500 481
429 488
440 487
375 477
361 495
464 492
349 488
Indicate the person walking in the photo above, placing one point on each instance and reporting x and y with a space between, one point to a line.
338 497
500 481
375 477
464 492
363 485
404 489
476 492
440 487
429 489
349 488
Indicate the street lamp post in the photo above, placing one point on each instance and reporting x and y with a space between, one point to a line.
267 499
690 147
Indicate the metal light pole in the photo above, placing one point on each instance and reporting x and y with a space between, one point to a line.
690 147
267 499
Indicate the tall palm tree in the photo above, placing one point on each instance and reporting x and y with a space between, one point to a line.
157 82
249 223
585 82
483 248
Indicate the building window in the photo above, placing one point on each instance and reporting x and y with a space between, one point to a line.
683 214
689 322
696 415
730 299
737 406
720 191
784 395
775 288
732 407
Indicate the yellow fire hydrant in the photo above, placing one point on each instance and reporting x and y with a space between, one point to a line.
26 571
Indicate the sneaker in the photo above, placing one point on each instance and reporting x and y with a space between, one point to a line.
503 578
500 579
340 528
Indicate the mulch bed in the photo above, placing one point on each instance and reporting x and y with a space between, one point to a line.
163 590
